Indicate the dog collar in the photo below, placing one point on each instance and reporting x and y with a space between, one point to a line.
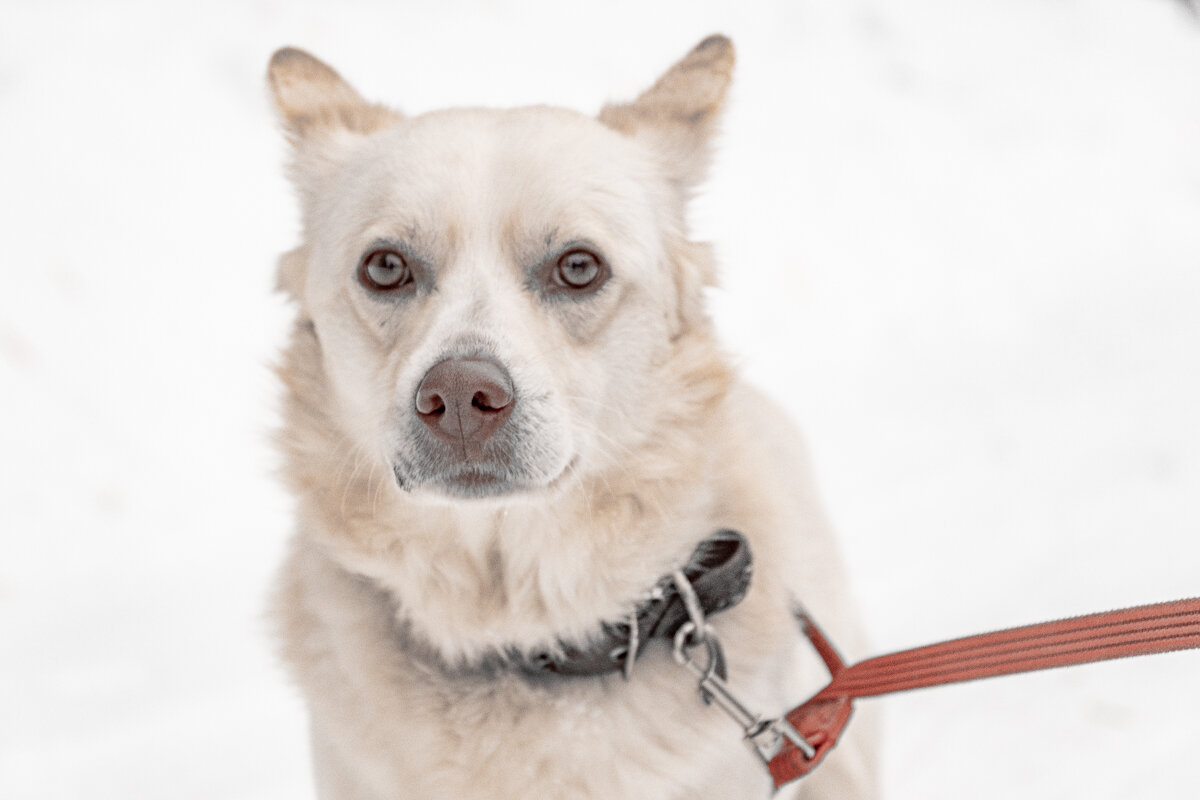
718 574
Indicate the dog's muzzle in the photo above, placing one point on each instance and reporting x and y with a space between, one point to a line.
464 440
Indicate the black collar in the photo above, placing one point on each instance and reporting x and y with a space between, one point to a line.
719 572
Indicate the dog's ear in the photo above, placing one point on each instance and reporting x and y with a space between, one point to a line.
678 114
314 101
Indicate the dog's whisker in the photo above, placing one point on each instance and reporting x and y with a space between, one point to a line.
378 487
350 482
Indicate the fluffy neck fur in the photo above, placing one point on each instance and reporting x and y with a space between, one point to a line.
476 579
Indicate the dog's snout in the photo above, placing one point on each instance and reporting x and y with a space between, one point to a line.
465 399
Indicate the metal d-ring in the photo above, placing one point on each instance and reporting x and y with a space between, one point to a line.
692 603
632 647
626 653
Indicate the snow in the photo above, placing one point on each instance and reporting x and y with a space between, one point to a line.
959 240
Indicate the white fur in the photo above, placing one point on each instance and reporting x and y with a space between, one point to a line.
638 443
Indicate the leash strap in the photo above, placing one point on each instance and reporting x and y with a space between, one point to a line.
1158 628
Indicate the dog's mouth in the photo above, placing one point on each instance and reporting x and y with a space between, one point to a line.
478 481
474 482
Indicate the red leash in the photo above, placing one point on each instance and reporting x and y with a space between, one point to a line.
1143 630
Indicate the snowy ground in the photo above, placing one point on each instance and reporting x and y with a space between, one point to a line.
960 239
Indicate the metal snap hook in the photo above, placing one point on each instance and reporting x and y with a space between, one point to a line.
766 736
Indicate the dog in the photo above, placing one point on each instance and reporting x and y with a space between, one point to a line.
515 444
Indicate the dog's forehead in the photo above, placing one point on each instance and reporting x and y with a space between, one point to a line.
523 170
482 141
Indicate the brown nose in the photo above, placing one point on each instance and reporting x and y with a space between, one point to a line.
465 399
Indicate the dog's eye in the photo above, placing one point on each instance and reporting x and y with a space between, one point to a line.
384 271
578 269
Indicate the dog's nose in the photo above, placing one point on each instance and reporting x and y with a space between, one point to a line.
465 399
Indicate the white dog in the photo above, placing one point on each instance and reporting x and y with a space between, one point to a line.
512 438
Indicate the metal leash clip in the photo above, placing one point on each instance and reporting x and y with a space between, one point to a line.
766 736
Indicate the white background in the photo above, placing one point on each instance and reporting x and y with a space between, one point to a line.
960 239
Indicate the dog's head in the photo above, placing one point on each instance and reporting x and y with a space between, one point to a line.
498 299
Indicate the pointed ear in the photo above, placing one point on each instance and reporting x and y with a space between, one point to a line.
313 100
678 114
